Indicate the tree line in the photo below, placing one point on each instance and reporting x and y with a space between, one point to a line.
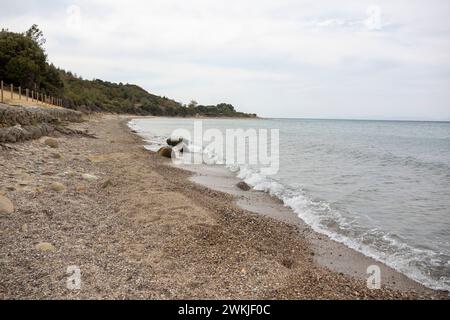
23 62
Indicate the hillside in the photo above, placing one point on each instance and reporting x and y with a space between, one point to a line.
23 62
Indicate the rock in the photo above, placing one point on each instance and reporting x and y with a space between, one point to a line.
52 143
56 156
45 247
165 152
89 177
25 228
107 184
80 189
243 186
58 187
6 206
173 142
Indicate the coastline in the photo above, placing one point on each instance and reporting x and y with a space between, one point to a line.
145 230
327 252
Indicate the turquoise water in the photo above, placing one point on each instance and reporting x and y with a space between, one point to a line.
380 187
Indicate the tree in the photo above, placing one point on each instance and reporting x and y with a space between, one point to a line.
22 61
193 104
35 34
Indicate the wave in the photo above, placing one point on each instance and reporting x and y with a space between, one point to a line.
387 248
374 243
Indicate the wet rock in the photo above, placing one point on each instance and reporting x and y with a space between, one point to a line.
165 152
45 247
58 187
52 143
6 206
173 142
243 186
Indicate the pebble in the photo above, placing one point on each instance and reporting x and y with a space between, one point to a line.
52 143
58 187
6 206
45 247
89 177
243 186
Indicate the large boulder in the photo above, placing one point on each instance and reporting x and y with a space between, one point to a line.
173 142
6 206
165 152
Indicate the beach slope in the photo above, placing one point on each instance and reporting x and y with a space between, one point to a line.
137 228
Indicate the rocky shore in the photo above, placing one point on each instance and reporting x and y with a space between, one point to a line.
139 229
19 123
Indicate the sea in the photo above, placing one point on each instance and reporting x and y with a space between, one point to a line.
379 187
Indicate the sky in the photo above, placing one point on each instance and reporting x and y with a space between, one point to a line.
351 59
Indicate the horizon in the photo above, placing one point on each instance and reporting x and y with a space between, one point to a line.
293 60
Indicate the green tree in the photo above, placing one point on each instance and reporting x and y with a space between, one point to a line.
35 34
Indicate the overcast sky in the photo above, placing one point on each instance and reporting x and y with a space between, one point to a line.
317 59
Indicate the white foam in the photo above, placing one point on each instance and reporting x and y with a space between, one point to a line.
394 253
323 219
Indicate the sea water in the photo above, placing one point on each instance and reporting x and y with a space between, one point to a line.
380 187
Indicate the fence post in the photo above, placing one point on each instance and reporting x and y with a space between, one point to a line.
20 93
12 92
1 84
27 93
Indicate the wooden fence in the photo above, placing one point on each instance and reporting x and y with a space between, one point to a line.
11 93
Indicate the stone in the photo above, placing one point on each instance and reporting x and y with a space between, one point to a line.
6 206
24 228
80 189
52 143
165 152
173 142
58 187
56 156
45 247
243 186
106 184
89 177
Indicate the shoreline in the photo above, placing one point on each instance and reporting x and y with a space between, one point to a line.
140 229
328 253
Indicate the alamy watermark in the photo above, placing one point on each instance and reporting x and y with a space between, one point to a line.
232 147
374 280
73 281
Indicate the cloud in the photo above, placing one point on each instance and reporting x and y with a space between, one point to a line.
277 58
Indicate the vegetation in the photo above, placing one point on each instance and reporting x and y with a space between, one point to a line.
23 62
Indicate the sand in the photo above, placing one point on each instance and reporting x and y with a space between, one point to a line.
138 228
